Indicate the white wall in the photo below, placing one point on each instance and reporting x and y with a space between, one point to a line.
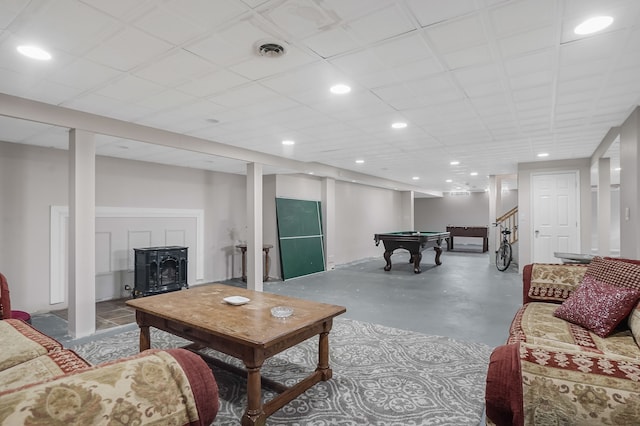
32 179
361 212
434 214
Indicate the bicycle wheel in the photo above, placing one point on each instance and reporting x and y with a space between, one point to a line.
503 257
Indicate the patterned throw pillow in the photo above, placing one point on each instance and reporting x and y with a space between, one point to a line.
614 272
598 306
553 282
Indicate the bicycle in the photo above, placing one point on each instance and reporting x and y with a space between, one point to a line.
504 254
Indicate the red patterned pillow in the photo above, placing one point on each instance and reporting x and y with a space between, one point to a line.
615 272
598 306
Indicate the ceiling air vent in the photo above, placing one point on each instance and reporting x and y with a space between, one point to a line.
270 49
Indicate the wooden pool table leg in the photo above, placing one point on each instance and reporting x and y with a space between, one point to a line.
438 251
387 257
416 257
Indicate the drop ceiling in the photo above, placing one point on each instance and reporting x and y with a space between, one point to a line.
487 83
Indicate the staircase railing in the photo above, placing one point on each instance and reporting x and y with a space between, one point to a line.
509 220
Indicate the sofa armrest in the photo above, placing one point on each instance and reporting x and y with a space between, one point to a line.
526 381
154 387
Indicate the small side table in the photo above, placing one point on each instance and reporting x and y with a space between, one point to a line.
267 260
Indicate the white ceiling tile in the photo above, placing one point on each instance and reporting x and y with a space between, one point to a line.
177 67
531 80
169 26
588 49
128 49
300 18
516 17
381 25
473 56
452 36
331 42
9 10
167 99
243 96
215 82
129 88
208 13
83 74
67 25
431 12
361 62
532 63
527 42
52 93
116 8
348 10
402 50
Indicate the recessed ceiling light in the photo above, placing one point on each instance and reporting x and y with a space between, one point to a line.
617 169
399 125
416 178
288 142
543 154
359 161
340 89
593 25
34 52
474 173
449 180
454 163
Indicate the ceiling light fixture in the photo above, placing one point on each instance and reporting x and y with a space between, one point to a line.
288 142
399 125
340 89
454 163
416 178
593 25
474 173
543 154
449 180
359 161
34 52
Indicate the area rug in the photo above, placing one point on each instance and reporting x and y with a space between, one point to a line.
381 376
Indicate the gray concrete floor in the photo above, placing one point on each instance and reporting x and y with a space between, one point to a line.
465 298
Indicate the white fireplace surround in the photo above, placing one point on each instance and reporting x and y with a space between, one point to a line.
58 255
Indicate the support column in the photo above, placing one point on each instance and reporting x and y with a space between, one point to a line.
495 205
630 186
82 234
408 211
329 221
604 207
254 227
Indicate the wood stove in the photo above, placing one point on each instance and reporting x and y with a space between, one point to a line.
160 270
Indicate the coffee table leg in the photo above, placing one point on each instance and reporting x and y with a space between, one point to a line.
145 338
323 356
255 414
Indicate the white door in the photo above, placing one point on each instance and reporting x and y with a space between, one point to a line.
555 215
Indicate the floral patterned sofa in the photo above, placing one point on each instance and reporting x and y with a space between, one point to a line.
41 383
572 355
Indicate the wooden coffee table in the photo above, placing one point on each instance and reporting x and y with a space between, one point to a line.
248 332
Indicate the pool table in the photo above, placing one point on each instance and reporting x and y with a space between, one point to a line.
412 241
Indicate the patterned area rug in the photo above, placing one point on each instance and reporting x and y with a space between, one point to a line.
381 376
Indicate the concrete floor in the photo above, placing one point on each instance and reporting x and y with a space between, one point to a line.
465 298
